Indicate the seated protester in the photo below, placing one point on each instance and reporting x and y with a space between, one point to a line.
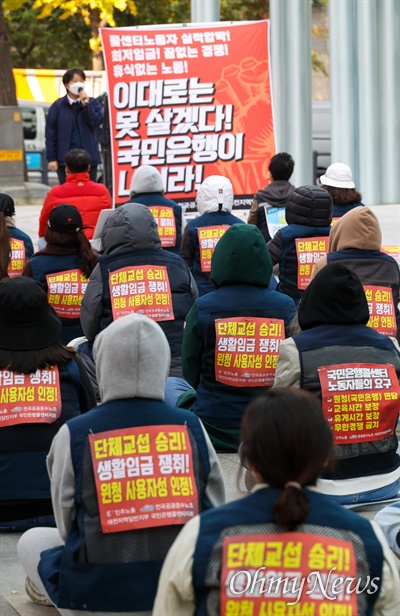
147 187
42 386
229 560
19 243
153 281
228 334
87 563
355 241
388 519
338 181
89 197
275 194
333 314
63 267
214 203
309 215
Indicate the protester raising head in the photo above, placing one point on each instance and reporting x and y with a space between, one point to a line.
54 385
338 181
227 559
63 267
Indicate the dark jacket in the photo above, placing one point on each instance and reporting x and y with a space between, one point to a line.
59 126
340 210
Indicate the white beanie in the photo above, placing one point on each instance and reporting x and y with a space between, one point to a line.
132 358
146 179
215 194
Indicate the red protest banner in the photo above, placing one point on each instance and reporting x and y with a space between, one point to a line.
165 220
65 291
360 401
269 574
144 477
247 350
143 289
308 251
208 239
17 258
381 309
29 398
194 101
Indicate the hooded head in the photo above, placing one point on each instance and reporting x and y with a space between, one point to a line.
132 358
310 206
7 205
334 297
359 229
146 179
130 227
215 195
241 256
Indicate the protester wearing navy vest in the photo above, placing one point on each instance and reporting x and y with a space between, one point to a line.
244 557
214 203
7 206
355 241
147 187
130 238
29 332
308 214
67 248
241 269
333 314
338 181
86 569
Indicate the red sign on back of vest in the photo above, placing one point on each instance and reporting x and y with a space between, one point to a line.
309 250
29 398
247 350
294 573
17 259
382 315
144 477
208 239
165 220
65 291
360 401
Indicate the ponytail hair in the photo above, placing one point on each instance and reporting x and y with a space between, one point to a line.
87 260
4 247
287 441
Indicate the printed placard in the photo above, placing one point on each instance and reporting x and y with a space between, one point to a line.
65 291
267 575
309 251
165 220
144 289
29 398
17 258
393 251
360 401
382 315
276 218
247 350
208 239
144 477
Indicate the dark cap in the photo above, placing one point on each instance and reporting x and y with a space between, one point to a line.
65 219
7 205
27 322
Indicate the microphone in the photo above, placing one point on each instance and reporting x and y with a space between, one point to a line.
85 100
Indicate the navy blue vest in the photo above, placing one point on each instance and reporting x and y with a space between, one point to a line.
327 345
24 447
20 235
288 258
211 219
254 515
341 210
220 404
179 279
51 264
159 199
118 571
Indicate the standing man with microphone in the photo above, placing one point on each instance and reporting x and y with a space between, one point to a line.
71 124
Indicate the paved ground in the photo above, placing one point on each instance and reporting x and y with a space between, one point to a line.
13 600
